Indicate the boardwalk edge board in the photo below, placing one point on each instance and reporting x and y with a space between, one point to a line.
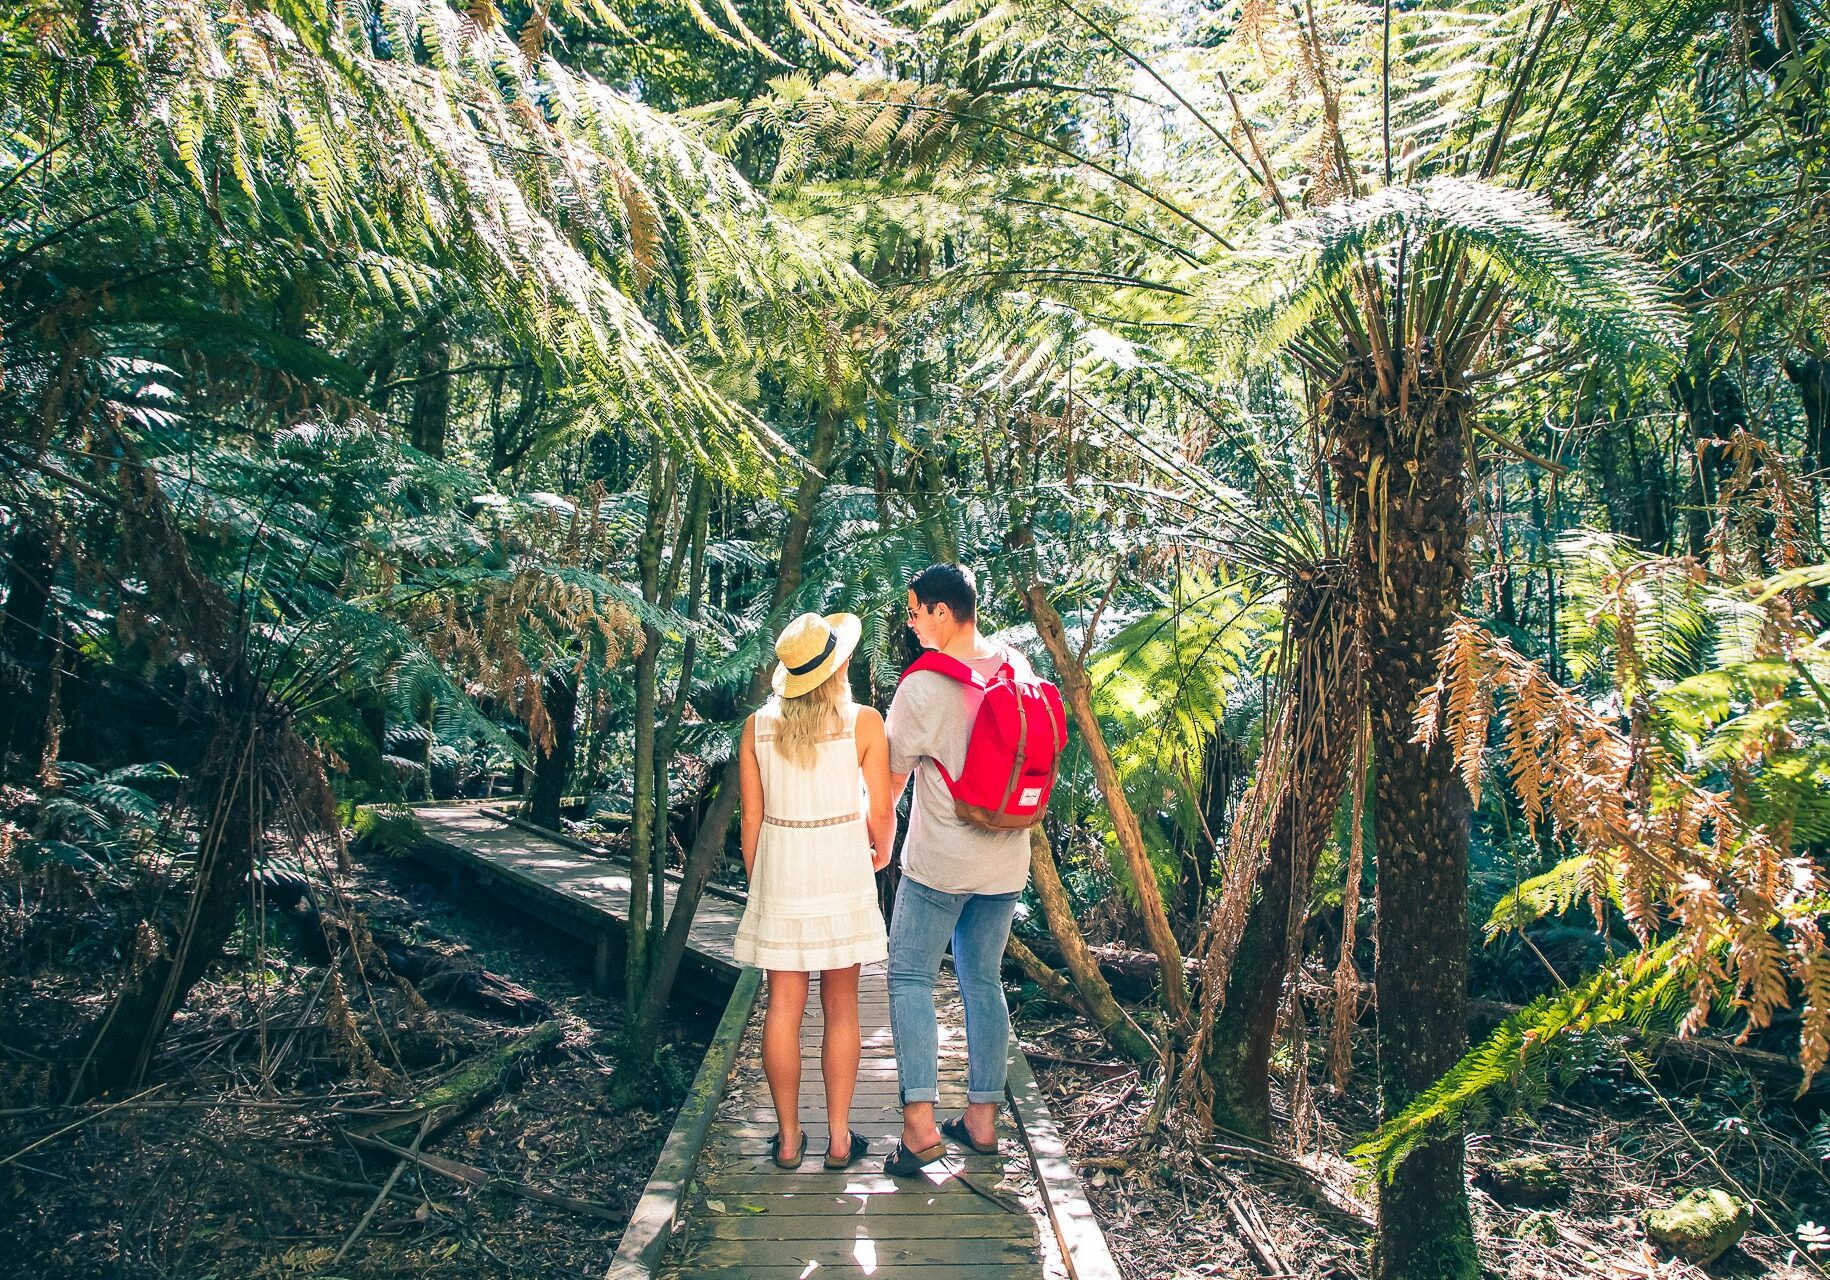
1083 1244
650 1227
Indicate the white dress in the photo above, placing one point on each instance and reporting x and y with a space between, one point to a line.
813 896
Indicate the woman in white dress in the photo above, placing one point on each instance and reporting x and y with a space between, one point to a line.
818 821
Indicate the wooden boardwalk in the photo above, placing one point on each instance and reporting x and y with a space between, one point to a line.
748 1218
716 1206
571 885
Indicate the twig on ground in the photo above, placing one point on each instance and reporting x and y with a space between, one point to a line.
381 1196
1255 1234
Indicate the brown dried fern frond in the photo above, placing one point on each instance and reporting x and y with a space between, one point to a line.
1676 852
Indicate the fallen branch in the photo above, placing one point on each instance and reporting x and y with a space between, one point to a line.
1257 1238
471 1175
278 1170
1304 1177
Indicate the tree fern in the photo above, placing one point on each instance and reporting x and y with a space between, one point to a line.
1267 296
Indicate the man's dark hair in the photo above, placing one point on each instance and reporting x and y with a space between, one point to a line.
950 584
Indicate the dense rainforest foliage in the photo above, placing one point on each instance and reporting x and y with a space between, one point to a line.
1399 428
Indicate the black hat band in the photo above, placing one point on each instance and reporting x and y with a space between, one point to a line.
832 642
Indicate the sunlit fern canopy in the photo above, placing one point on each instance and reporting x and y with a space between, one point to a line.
410 160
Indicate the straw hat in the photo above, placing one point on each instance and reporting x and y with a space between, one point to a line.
812 648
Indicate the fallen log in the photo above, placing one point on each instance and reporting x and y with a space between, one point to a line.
1128 971
1775 1070
469 1087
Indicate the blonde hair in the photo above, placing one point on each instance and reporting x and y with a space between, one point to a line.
811 717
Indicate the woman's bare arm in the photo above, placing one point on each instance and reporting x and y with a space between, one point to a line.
874 760
750 794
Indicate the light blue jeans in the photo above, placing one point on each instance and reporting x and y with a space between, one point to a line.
979 926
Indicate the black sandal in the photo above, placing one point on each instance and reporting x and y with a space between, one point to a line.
858 1147
956 1129
903 1163
775 1152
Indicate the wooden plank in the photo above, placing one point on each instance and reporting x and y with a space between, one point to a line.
939 1271
755 1159
879 1226
856 1181
860 1250
841 1207
584 887
1083 1244
559 837
784 1223
646 1236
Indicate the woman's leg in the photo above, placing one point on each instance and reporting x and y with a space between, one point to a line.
979 940
782 1052
840 1048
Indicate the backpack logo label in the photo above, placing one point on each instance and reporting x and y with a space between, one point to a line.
1030 796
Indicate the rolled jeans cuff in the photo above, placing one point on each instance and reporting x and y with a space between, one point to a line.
919 1095
973 1096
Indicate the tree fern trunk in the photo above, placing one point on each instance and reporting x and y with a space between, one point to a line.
27 648
1401 468
174 955
552 767
432 392
1325 707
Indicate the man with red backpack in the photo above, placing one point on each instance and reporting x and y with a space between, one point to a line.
980 734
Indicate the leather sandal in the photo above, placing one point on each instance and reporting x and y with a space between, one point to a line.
956 1129
859 1146
903 1163
775 1152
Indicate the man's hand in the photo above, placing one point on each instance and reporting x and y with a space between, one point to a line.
880 858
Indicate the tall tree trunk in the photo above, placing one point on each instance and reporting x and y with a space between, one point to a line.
432 391
1401 474
552 766
1811 375
1715 408
1082 966
1323 711
689 548
930 495
647 667
28 646
714 827
1078 692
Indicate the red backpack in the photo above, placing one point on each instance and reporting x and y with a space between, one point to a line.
1013 749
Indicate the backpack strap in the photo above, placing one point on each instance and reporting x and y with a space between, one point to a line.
945 665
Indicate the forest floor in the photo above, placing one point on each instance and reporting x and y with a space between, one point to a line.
238 1158
1215 1208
